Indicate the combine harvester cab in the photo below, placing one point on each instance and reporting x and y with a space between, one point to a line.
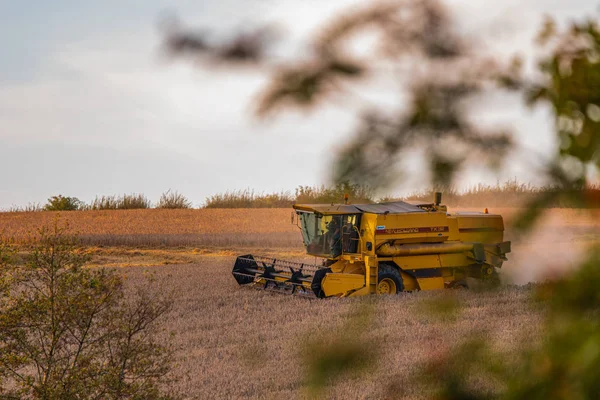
384 248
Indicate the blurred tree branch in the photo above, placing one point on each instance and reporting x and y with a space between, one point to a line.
568 80
415 37
441 76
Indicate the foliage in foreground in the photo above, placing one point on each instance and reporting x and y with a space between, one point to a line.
564 365
332 358
436 121
438 71
447 76
72 332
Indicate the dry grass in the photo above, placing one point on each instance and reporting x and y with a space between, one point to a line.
249 199
234 342
303 194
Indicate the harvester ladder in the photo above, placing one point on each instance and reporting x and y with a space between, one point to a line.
372 274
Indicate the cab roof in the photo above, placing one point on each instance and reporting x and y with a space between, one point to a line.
396 207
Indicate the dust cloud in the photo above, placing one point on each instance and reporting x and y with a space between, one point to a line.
556 245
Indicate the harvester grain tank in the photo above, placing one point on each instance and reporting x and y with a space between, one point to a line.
383 248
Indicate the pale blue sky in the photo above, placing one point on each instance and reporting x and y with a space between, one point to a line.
88 106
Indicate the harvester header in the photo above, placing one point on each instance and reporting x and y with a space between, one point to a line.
384 248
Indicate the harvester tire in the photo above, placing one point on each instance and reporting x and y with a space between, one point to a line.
389 280
493 277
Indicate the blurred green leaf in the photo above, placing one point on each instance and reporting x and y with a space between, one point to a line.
305 85
345 351
547 31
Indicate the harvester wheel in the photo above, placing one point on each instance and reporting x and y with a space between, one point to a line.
389 280
492 276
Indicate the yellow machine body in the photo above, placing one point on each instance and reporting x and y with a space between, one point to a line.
387 248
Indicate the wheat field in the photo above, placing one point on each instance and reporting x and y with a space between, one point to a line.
236 342
153 227
233 342
219 227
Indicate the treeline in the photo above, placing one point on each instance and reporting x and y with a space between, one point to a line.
303 194
235 199
167 200
508 194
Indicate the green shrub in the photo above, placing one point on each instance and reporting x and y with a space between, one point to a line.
70 332
173 200
63 203
564 365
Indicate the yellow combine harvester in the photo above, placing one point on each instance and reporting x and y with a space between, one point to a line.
384 248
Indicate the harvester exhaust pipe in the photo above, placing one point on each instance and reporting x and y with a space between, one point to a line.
438 198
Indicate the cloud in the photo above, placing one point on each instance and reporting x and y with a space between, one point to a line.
109 119
102 95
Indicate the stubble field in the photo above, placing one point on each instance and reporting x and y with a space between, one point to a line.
233 342
170 228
